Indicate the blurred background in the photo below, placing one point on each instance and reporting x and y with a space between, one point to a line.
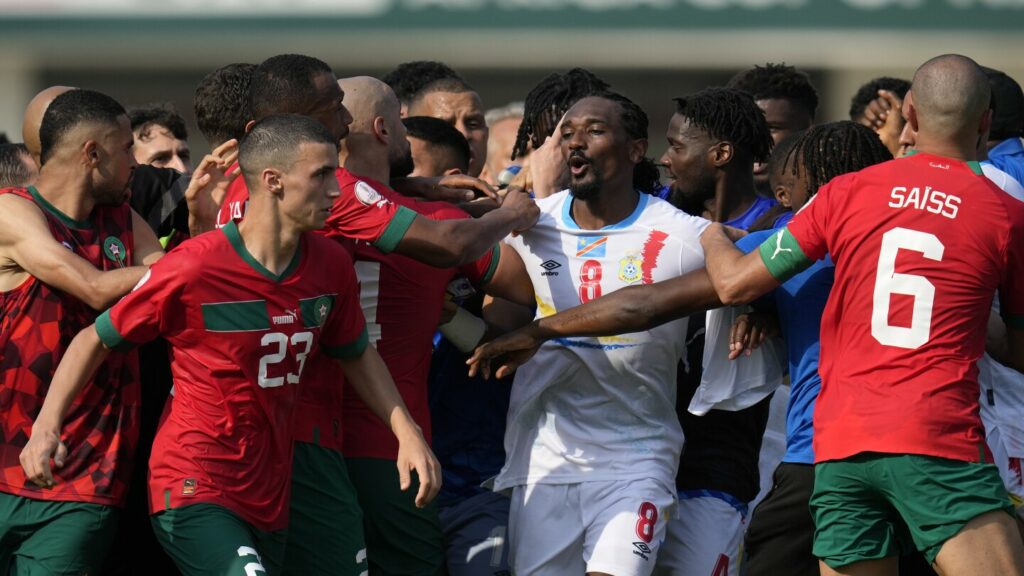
142 51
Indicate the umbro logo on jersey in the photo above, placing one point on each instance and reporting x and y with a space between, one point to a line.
289 317
642 550
549 267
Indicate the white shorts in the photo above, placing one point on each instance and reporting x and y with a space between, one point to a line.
614 527
1010 469
704 539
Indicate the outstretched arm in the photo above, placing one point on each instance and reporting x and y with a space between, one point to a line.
738 278
449 243
630 309
371 380
80 361
26 242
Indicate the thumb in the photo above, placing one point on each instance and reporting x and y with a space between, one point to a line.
61 455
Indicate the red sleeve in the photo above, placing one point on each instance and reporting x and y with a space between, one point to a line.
234 203
480 271
153 307
1011 289
364 211
810 225
344 334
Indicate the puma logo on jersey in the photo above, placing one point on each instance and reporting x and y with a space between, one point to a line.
778 244
289 317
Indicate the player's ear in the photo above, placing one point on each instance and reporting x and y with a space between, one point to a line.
90 153
271 180
380 129
782 196
722 153
249 125
452 172
637 150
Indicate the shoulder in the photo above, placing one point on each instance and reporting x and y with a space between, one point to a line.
326 252
659 212
553 203
196 254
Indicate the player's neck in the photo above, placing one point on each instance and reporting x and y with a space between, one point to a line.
963 151
366 165
267 238
606 209
734 194
66 191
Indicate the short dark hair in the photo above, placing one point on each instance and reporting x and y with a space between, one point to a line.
833 149
275 140
646 177
548 101
4 139
730 115
221 103
868 92
143 118
284 84
409 78
441 134
778 81
13 170
71 109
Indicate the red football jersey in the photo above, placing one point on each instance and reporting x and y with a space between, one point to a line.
401 300
240 337
359 213
920 244
37 324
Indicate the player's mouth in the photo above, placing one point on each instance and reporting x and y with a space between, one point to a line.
578 165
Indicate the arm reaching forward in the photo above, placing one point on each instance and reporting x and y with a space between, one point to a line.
371 380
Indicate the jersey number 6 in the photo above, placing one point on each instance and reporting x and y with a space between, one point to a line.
889 282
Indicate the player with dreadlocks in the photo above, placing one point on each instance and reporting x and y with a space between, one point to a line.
779 538
714 138
548 101
643 307
590 462
788 99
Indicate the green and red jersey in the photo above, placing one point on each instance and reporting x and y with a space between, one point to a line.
37 324
240 339
920 245
401 300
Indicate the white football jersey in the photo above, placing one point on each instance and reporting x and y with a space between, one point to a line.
597 409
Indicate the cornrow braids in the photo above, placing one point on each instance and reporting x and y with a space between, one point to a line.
833 149
730 115
548 101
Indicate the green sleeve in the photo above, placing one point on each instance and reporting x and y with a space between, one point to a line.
396 230
782 255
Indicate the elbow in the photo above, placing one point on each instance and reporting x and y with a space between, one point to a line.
95 298
733 293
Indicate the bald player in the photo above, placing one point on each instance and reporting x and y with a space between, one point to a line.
921 244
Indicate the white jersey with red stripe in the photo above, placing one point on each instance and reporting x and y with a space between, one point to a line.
600 409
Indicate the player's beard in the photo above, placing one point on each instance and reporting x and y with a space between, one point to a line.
587 188
689 203
402 165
